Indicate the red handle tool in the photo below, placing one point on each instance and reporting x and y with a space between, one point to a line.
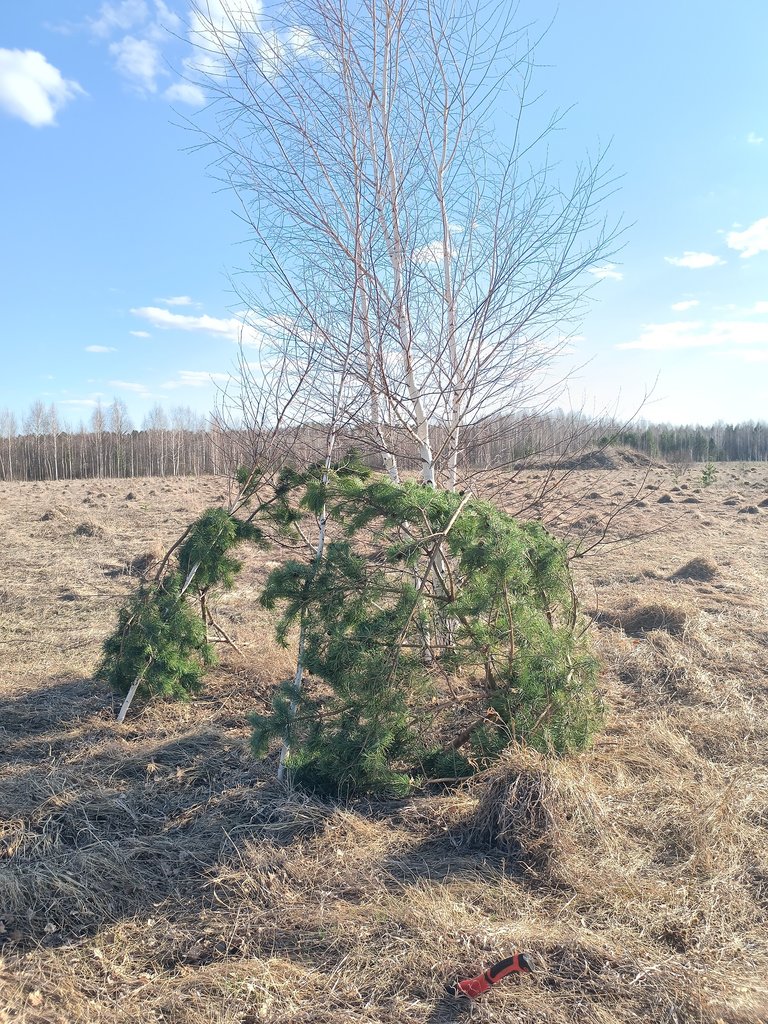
474 987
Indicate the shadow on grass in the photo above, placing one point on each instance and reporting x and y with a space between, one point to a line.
448 1009
34 714
100 823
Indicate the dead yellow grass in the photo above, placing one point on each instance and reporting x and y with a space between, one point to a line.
154 872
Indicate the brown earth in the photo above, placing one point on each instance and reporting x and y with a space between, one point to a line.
155 871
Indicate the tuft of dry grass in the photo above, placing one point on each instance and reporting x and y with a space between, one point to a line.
89 528
640 618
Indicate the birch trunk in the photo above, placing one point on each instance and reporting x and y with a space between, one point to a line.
394 243
129 697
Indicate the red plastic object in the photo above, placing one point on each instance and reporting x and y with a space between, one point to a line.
474 987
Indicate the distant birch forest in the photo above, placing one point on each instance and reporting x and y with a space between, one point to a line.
181 442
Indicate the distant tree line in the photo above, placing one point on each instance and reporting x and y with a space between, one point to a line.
720 442
41 447
181 442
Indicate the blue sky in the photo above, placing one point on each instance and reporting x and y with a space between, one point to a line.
118 246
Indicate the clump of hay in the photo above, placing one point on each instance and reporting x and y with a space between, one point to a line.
542 811
654 615
749 510
702 569
639 619
665 499
763 503
130 496
691 500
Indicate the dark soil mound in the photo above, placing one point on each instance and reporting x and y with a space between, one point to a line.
702 569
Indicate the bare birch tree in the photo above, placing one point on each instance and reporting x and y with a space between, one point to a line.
390 201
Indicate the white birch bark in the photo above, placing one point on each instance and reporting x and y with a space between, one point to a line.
129 697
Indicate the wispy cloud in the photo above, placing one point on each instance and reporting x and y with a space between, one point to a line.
140 334
185 92
219 25
118 17
608 272
195 379
89 403
752 355
751 240
760 307
754 139
695 260
230 328
138 53
129 385
432 252
680 307
138 60
179 300
99 348
32 89
698 334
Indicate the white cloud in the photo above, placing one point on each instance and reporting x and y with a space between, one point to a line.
139 61
754 139
138 55
432 252
695 260
99 348
680 307
195 379
178 300
697 334
300 41
140 334
760 307
165 21
231 328
219 27
129 385
608 272
33 89
753 355
185 92
751 240
119 17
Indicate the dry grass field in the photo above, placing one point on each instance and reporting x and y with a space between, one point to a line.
154 871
